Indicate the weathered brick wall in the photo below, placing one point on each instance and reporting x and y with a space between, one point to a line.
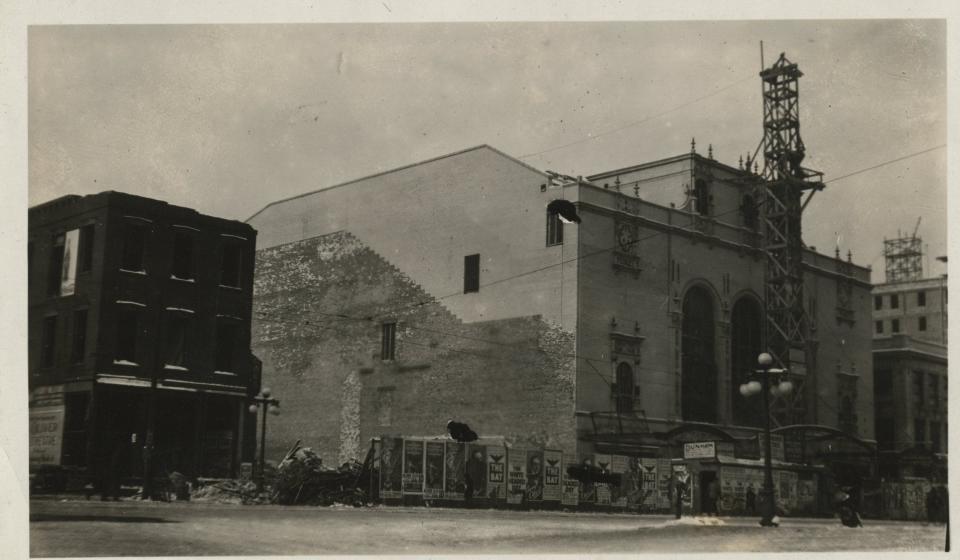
319 305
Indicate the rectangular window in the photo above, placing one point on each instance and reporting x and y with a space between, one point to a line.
471 273
134 247
127 328
388 341
920 431
879 326
554 229
922 323
86 248
55 264
228 338
182 255
894 301
79 350
48 340
878 302
895 326
177 341
921 299
231 258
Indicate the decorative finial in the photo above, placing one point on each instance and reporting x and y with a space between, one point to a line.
756 168
710 151
836 252
636 191
616 183
693 145
740 163
849 256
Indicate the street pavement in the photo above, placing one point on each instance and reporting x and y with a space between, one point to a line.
131 528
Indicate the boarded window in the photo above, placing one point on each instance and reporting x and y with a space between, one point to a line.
388 341
48 340
231 260
79 347
134 246
554 229
228 339
183 255
86 247
699 371
471 273
178 337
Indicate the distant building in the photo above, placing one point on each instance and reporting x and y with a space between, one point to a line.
916 308
447 289
124 290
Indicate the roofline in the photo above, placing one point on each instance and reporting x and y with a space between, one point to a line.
395 169
663 161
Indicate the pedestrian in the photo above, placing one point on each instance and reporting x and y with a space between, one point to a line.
475 478
679 488
751 499
847 509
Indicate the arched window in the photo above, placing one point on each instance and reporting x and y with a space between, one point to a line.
748 208
624 392
698 379
702 195
745 345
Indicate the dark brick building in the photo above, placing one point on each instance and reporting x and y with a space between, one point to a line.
125 291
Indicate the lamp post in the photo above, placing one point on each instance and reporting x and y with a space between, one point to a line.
768 507
263 403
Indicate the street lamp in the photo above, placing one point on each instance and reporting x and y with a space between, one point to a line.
764 386
262 404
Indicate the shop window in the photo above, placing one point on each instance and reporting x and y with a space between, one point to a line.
922 323
183 263
231 261
228 339
178 337
921 299
623 390
48 340
86 247
134 247
127 328
699 371
79 347
471 273
878 327
388 341
554 229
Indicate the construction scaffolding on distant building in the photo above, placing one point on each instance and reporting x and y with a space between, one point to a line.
904 258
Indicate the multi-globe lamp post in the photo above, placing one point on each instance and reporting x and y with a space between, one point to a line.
262 404
767 387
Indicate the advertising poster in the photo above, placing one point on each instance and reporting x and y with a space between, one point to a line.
46 435
663 483
618 493
588 490
455 482
412 466
603 489
552 478
649 482
787 489
571 486
391 468
535 475
806 494
433 477
496 473
516 475
68 276
476 472
683 475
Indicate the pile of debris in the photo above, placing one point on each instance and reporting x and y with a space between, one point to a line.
229 492
303 479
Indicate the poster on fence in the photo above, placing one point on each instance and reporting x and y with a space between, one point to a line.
433 477
806 494
516 475
603 489
496 473
455 480
588 490
412 466
619 492
476 472
391 468
649 483
552 463
787 489
571 486
664 473
535 475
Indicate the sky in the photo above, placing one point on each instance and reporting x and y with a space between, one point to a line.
226 119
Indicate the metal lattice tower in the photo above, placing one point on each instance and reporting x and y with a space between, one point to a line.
781 192
904 258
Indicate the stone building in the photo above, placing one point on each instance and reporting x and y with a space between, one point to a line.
446 289
127 292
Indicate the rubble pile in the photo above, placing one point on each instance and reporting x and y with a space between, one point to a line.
229 492
303 479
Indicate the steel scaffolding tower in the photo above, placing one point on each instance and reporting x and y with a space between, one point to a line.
904 258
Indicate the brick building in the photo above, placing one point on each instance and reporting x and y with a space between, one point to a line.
445 289
124 291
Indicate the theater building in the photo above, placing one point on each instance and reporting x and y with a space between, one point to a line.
131 297
446 289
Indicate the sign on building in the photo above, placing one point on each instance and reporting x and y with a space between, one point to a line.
777 451
700 450
46 435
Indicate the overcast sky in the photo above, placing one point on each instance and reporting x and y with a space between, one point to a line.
226 119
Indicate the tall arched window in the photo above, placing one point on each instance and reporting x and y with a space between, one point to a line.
745 347
698 379
624 393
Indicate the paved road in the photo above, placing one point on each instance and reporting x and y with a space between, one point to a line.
130 528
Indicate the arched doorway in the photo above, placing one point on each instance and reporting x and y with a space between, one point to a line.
745 345
698 379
